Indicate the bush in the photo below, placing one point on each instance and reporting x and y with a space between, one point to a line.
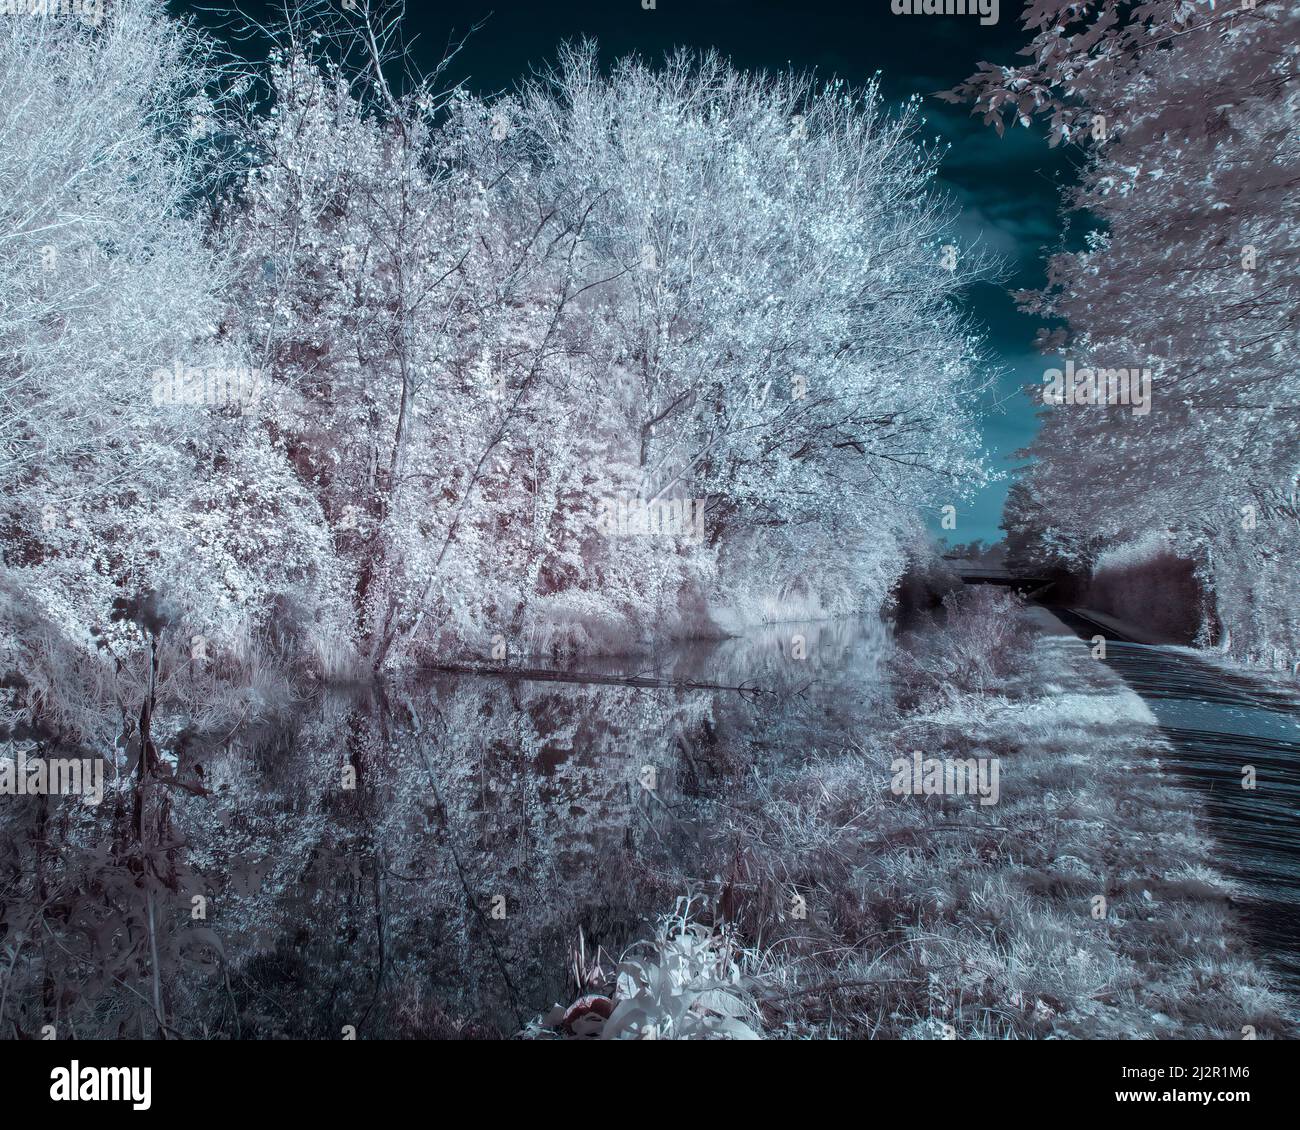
974 643
697 983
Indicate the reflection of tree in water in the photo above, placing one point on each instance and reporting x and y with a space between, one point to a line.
490 820
474 799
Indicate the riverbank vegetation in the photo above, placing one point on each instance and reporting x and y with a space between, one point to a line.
1084 904
321 380
345 369
1183 118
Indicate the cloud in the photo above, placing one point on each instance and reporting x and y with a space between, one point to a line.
1010 226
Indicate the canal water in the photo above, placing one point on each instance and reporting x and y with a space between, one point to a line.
419 859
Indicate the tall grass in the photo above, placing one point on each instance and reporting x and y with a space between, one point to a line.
866 914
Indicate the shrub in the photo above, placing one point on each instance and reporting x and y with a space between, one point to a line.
697 983
975 643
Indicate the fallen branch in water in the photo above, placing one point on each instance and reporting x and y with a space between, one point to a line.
540 674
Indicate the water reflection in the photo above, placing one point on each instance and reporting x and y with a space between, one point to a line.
416 859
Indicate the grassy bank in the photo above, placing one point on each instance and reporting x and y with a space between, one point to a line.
1082 904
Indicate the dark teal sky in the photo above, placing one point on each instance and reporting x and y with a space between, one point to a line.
1007 187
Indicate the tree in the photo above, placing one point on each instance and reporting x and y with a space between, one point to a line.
1187 114
117 476
490 318
776 317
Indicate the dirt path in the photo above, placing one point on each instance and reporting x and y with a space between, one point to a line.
1237 741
